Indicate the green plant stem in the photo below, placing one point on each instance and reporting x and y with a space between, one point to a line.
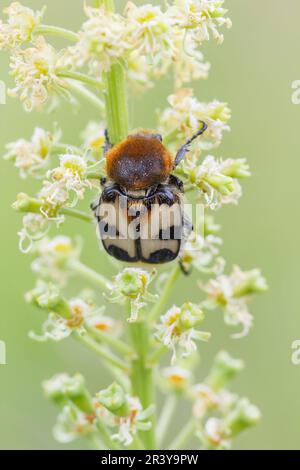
105 436
103 353
186 433
34 206
116 96
153 360
164 296
94 175
45 29
65 148
116 103
165 418
83 92
142 375
80 77
115 343
77 214
82 270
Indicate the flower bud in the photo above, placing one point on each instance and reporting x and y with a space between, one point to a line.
25 203
191 316
63 387
252 283
242 417
237 168
47 297
177 378
114 400
225 368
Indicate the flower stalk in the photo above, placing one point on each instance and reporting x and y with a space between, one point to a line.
113 52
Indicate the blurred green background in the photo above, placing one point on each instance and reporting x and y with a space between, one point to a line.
252 71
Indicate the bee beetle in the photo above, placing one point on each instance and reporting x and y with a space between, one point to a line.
140 213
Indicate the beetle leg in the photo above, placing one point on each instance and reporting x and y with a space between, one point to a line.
185 271
94 205
174 180
186 147
158 137
107 145
110 192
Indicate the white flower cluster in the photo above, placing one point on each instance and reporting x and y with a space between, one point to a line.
177 329
66 316
102 41
32 157
233 293
35 73
221 415
149 40
201 18
65 186
20 25
52 257
181 119
218 180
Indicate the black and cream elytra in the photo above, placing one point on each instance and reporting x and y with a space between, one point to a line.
140 212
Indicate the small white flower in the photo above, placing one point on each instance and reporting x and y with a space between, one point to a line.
103 323
35 73
135 420
20 25
189 62
201 252
132 285
67 185
31 157
216 187
177 378
182 117
72 424
93 136
177 328
139 72
102 41
214 433
202 18
151 31
52 257
54 328
57 328
205 400
233 294
35 227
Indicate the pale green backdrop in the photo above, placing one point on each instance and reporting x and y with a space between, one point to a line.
253 71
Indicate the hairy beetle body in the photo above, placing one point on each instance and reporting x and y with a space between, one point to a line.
140 213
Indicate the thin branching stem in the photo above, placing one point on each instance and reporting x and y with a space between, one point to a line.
83 92
166 416
45 29
76 213
90 274
184 435
81 77
101 351
164 296
107 338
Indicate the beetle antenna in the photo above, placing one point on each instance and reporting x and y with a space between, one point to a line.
186 147
107 145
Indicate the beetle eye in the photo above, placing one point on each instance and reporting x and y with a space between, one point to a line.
158 137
